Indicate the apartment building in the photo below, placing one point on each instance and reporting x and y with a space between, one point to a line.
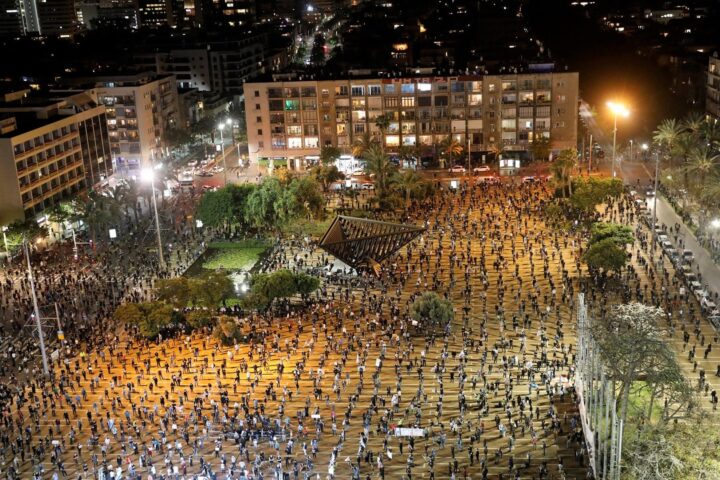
295 119
212 66
712 98
140 109
50 150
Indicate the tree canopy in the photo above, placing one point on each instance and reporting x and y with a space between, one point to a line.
432 311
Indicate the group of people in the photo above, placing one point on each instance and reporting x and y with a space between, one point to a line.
349 386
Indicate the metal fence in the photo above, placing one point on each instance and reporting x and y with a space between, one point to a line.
596 393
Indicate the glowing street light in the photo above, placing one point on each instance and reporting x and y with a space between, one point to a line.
616 109
148 175
221 127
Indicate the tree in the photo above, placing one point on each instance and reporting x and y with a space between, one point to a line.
606 255
98 212
148 317
702 161
309 199
380 165
216 208
211 289
621 234
631 346
562 168
317 54
540 148
451 148
408 182
326 175
61 213
328 154
199 318
588 193
261 210
21 231
306 284
432 311
177 137
667 134
362 144
175 291
382 122
266 287
227 331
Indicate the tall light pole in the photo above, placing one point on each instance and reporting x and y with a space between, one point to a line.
148 175
7 249
616 109
36 309
657 175
221 127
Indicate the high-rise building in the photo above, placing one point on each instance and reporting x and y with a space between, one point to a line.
140 109
155 13
712 99
57 17
295 119
50 149
212 66
11 20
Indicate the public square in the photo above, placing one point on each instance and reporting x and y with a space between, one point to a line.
327 386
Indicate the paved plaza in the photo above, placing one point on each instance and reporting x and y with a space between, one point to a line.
324 390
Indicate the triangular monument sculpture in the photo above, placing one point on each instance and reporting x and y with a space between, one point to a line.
360 242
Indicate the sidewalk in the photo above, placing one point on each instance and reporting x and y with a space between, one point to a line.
703 261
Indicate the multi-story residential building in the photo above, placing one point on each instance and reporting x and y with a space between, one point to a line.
295 119
216 66
712 99
50 150
58 17
140 109
155 13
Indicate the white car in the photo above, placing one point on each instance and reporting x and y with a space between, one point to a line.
481 169
367 186
358 173
457 169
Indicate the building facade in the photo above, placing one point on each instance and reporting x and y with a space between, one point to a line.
213 66
50 150
295 119
140 110
712 98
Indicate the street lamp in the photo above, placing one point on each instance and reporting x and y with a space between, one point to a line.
616 109
148 175
7 250
220 127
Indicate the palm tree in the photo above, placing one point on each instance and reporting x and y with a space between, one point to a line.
379 164
126 196
702 161
710 193
668 133
383 123
361 145
693 122
451 147
60 213
408 182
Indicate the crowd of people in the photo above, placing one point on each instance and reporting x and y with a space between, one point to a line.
348 387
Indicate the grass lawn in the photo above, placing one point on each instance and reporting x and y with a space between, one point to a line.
240 255
310 228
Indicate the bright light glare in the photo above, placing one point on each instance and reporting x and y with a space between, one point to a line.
715 223
645 146
147 174
229 121
618 109
221 126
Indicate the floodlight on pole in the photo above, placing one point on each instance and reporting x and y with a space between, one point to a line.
616 109
220 127
148 175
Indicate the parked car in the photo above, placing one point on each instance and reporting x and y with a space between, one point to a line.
358 173
688 256
457 169
367 186
529 179
204 174
481 169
